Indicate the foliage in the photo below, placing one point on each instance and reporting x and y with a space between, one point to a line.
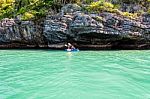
100 6
129 15
27 16
103 6
148 11
6 8
27 9
33 9
87 1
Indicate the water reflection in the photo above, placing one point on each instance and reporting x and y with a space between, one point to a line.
69 54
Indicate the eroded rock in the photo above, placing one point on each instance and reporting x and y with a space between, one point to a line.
104 30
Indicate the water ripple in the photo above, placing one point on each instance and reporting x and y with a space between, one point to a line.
30 74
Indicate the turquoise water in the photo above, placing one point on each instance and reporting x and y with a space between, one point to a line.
43 74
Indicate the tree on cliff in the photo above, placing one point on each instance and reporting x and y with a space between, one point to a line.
29 9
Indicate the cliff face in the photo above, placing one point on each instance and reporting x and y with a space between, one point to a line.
18 34
85 30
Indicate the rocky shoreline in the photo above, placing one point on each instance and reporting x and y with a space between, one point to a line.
85 30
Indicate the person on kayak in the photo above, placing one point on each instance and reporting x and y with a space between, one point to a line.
70 46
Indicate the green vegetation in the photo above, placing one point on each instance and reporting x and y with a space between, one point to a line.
148 11
107 6
28 9
35 9
130 15
101 6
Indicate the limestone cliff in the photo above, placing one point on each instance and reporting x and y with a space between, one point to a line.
20 34
84 30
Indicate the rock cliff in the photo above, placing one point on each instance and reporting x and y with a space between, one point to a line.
84 30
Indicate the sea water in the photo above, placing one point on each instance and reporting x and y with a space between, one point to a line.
46 74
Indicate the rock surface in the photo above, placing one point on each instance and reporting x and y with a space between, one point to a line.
86 31
14 33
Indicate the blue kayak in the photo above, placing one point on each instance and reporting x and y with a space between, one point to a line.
72 50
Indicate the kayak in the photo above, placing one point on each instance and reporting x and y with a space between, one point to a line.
72 50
